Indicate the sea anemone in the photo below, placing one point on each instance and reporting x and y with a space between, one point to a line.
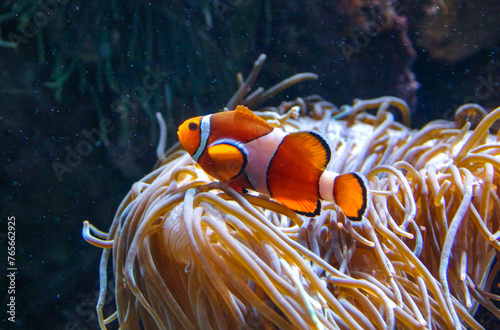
190 252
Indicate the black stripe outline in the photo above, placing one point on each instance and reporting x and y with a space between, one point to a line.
328 155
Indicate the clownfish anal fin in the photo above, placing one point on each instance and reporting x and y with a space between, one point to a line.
305 207
310 146
228 159
350 194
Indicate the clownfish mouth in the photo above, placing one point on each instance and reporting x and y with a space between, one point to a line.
179 135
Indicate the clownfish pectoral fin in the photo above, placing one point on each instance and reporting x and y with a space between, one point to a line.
350 194
305 207
310 146
228 159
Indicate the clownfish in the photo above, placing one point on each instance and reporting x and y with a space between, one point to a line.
243 150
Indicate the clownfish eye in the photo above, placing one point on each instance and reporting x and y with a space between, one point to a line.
193 126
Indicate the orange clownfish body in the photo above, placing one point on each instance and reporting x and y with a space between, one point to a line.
243 150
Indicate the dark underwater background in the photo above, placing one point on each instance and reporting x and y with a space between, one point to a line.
80 82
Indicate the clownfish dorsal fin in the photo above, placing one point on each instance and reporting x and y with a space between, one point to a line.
243 113
307 207
350 194
228 159
310 146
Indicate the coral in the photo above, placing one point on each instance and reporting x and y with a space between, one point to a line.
453 30
191 252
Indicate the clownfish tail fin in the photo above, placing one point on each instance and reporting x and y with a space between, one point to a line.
350 194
